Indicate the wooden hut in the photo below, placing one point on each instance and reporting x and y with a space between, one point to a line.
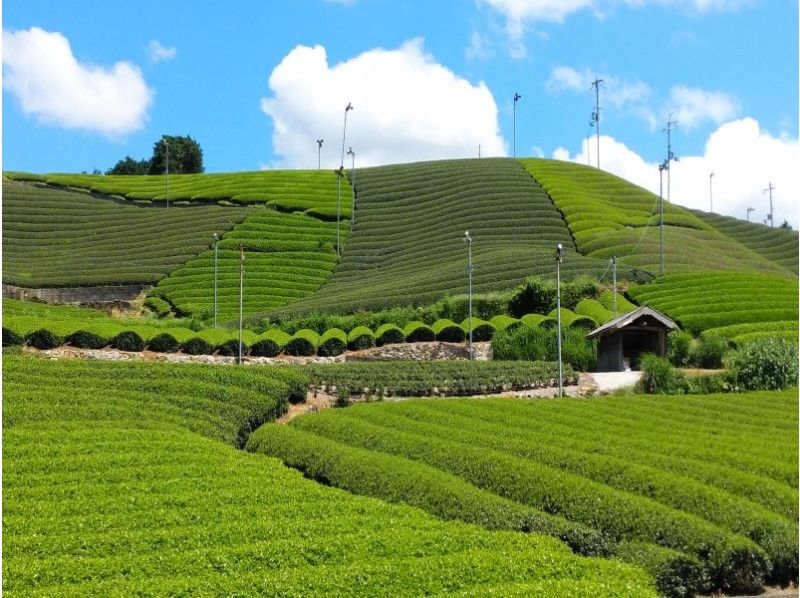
621 341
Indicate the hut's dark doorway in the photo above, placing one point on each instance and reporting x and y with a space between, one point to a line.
637 342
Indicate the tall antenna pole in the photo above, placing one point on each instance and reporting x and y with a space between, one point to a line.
319 153
216 239
661 168
614 285
347 109
517 97
469 278
770 217
241 298
711 192
748 213
670 156
353 170
596 114
559 257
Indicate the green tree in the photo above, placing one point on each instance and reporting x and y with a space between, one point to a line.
185 155
129 166
786 225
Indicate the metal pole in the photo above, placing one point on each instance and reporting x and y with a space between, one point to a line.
216 240
558 312
241 298
711 191
614 284
319 153
347 109
770 189
469 278
748 213
596 115
516 99
353 170
661 169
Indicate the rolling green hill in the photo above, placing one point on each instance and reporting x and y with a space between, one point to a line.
608 216
714 477
407 245
776 244
122 479
61 238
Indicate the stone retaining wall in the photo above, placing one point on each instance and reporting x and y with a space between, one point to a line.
79 295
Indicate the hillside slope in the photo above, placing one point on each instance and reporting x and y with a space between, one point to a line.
407 245
609 216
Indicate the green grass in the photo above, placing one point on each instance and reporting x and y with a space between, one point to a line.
776 244
289 190
122 479
707 300
287 257
711 476
57 238
608 216
407 246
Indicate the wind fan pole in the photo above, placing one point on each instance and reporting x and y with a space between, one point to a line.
614 285
241 297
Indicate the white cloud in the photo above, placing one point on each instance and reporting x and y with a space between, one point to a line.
40 70
693 106
479 48
158 52
743 158
613 90
406 107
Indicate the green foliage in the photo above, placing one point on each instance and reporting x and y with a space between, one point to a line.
703 300
608 216
418 332
44 339
539 454
197 346
541 344
660 377
765 364
128 340
87 339
360 338
130 166
677 574
185 156
158 306
12 338
163 343
440 378
303 343
679 344
481 330
270 343
333 342
504 322
387 334
448 331
708 351
538 295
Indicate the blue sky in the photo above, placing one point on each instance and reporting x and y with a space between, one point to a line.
443 85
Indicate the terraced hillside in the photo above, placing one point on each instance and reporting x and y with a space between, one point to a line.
287 256
59 238
122 479
776 244
407 245
609 216
756 304
713 477
288 190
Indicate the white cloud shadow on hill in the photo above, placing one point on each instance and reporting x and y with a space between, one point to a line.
406 107
743 157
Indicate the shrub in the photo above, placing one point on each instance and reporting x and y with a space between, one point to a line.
269 344
197 346
504 322
577 350
11 337
541 344
418 332
677 574
163 343
708 351
679 344
360 338
481 329
128 340
342 397
535 295
304 343
86 340
710 384
582 287
44 339
333 342
388 334
230 347
158 306
448 331
659 377
765 364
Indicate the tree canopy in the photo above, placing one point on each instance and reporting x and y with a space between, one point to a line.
185 156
